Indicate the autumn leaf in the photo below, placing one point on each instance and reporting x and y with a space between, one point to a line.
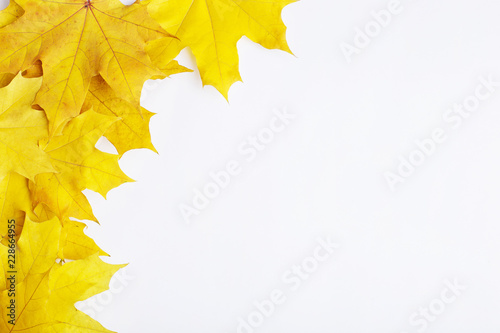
131 131
74 244
211 29
33 72
21 128
5 79
46 291
75 41
14 202
79 166
10 14
170 68
7 16
71 71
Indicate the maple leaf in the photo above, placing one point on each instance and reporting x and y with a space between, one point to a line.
74 244
46 291
131 130
5 79
14 202
170 68
20 129
79 166
10 14
76 40
32 72
211 28
72 71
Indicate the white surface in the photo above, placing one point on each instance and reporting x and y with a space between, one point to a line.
322 176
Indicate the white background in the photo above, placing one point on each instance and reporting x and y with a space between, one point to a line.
322 176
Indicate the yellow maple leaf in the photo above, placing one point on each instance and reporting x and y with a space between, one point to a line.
74 244
170 68
7 16
211 28
79 166
32 72
72 71
10 14
14 202
131 131
46 291
5 79
61 198
20 129
39 242
75 41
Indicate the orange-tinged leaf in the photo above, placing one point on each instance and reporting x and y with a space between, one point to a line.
32 72
7 16
72 71
36 70
62 197
75 41
5 79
